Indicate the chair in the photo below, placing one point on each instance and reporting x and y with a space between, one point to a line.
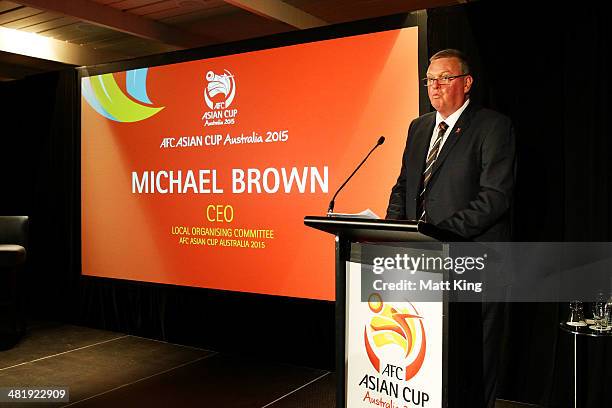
13 244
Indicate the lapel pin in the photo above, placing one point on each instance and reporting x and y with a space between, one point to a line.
458 130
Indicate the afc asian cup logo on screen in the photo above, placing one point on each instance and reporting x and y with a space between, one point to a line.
395 334
219 84
219 93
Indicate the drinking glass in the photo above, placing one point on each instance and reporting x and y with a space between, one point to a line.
601 313
576 315
609 310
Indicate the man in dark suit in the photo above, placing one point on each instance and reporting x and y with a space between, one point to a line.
458 174
468 189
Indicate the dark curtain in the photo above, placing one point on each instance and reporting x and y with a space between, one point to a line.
40 172
547 71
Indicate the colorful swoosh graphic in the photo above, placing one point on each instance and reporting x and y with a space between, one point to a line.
106 97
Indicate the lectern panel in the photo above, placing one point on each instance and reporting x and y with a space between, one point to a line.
394 349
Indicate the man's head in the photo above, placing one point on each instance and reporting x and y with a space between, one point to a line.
448 66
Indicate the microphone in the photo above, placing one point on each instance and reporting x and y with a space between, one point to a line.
330 209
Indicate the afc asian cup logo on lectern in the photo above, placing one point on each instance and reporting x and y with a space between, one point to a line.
395 334
219 84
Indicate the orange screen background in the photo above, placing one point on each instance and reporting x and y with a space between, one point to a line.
334 97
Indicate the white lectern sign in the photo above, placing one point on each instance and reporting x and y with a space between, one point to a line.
394 350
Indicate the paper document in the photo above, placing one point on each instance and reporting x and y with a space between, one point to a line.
367 213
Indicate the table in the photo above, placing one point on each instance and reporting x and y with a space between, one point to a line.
585 342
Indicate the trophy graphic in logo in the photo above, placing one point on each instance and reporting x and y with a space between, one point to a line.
219 84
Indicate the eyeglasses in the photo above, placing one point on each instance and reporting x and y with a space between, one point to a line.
443 80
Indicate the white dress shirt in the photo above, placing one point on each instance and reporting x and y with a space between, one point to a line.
450 121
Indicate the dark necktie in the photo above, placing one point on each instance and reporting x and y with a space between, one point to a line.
431 159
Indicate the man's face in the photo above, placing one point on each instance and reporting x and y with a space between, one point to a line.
446 99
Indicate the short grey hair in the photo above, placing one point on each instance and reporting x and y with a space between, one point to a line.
453 53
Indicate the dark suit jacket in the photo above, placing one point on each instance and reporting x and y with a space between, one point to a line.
470 190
